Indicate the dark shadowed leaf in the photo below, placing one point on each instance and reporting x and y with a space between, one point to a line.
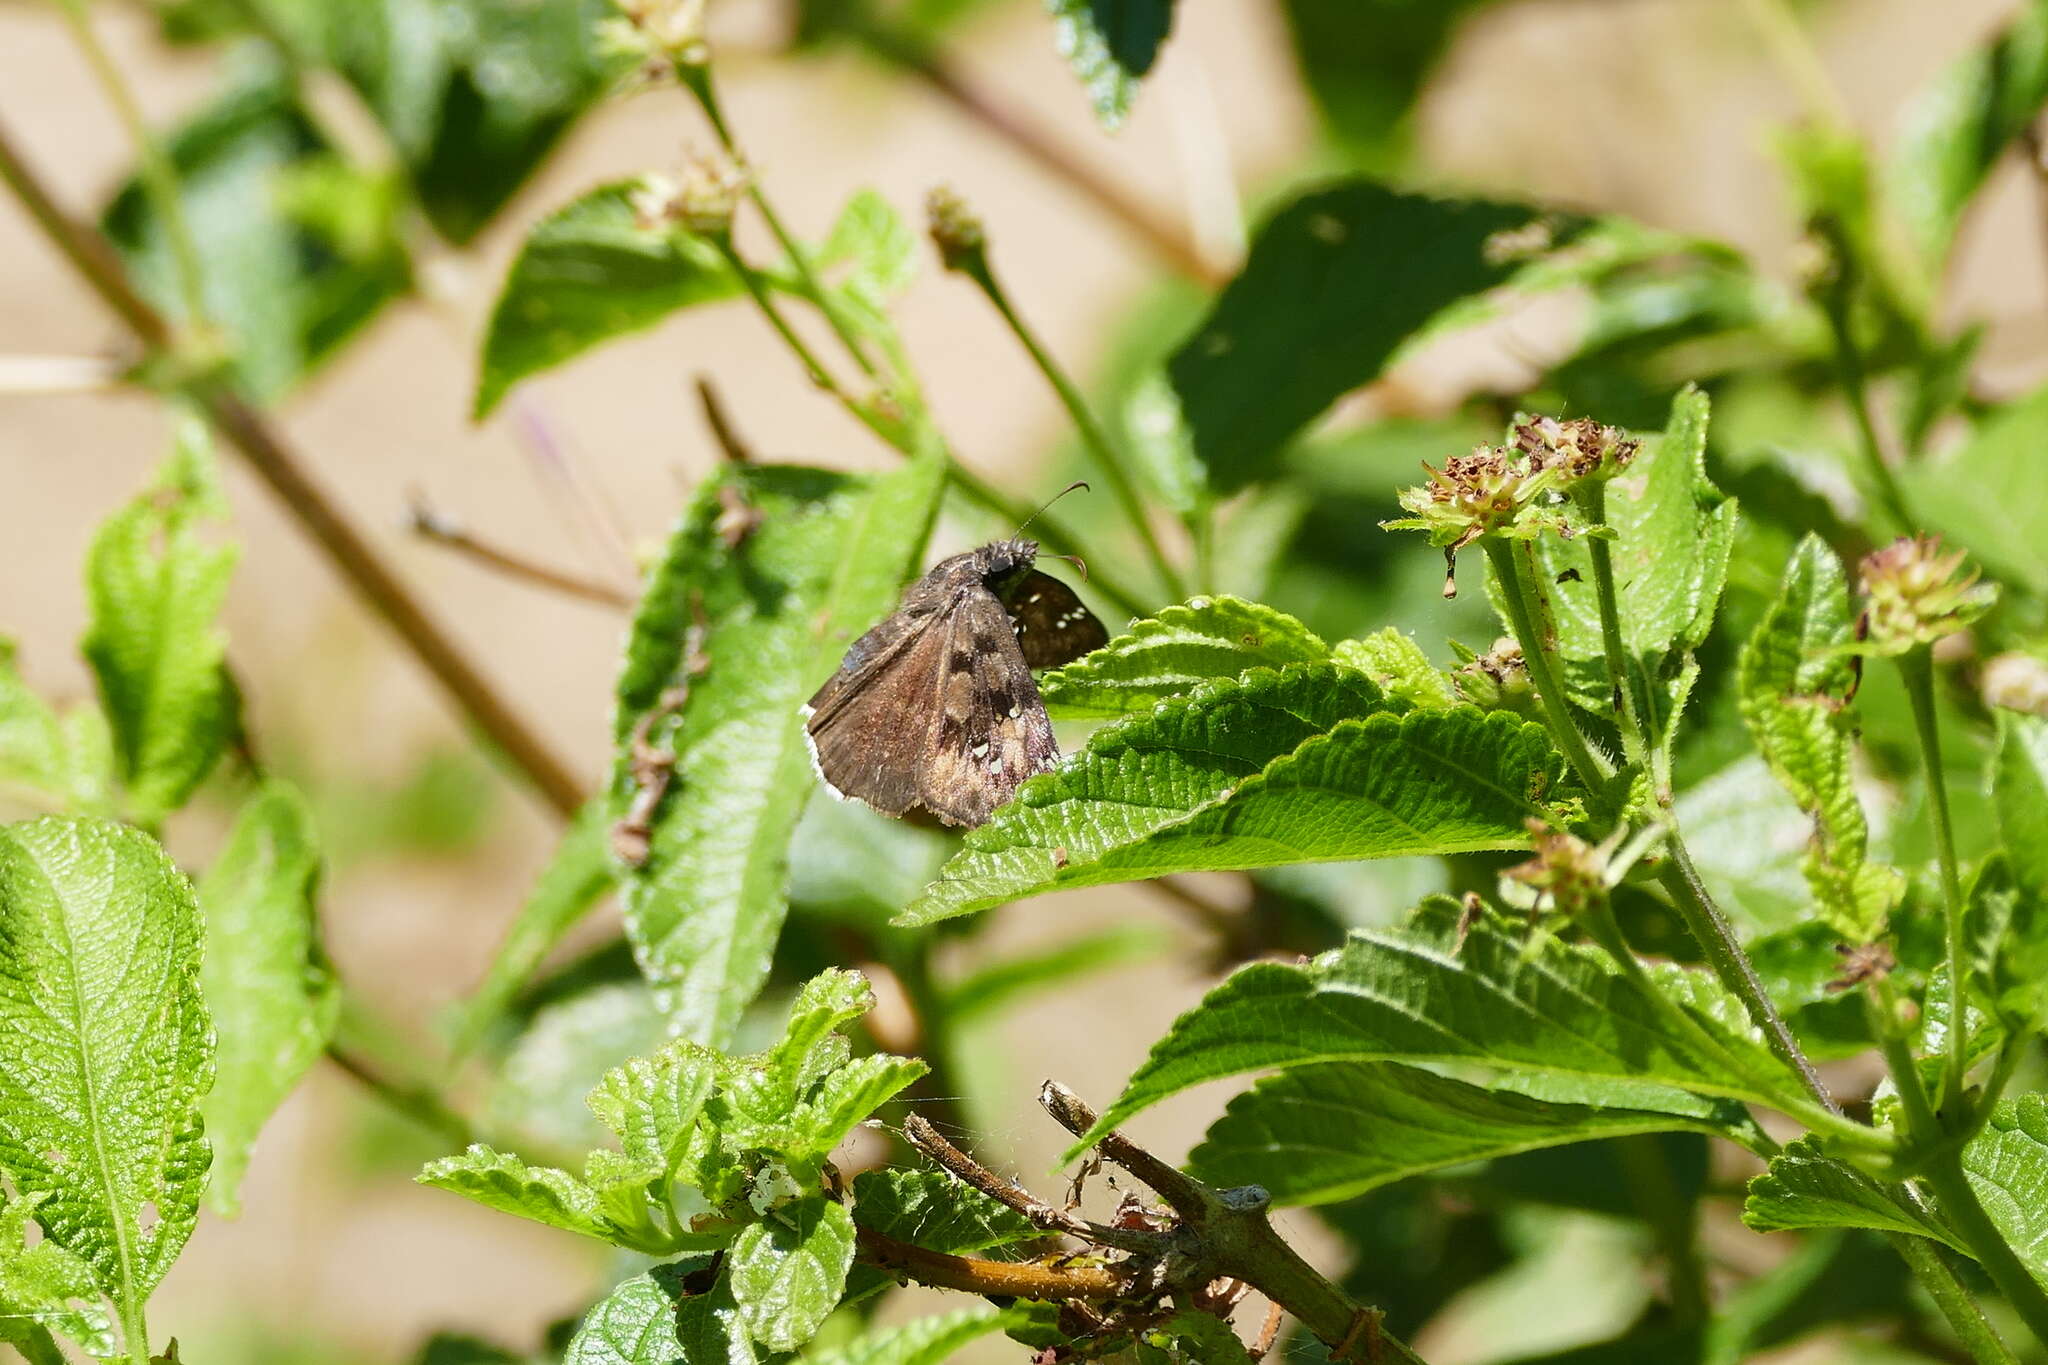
1111 44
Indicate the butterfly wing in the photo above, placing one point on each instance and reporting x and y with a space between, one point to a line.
990 731
861 724
1050 623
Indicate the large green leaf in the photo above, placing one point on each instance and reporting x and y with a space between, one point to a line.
2007 1165
586 273
273 998
1422 994
578 875
1111 44
1673 531
1954 130
788 1271
155 588
933 1210
1794 684
298 248
1168 654
1991 493
1336 283
1803 1189
1310 764
824 562
1316 1134
45 1286
105 1046
659 1319
545 1194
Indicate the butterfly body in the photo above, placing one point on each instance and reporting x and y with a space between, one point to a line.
936 707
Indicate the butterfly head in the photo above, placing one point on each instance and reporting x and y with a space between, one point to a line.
1002 562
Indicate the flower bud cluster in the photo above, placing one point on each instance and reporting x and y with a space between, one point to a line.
956 230
1915 594
1569 871
701 198
1514 490
660 31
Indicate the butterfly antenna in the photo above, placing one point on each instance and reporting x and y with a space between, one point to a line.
1080 566
1078 483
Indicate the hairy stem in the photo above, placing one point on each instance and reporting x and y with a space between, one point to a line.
1916 668
158 176
1944 1176
1634 709
1938 1278
1108 458
1592 771
1835 301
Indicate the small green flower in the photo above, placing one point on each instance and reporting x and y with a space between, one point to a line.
702 199
658 31
1569 871
1915 594
955 229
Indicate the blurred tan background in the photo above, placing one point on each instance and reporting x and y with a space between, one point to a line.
1658 108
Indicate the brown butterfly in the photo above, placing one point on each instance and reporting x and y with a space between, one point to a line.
936 707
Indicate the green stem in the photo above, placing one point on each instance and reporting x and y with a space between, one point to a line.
416 1102
1673 1221
1593 772
1881 1008
696 78
1716 937
1108 458
763 300
1835 303
1944 1176
1938 1278
1916 668
134 1329
159 177
1785 41
1634 717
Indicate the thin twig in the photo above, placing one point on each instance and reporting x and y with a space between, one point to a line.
436 529
927 1139
282 470
1001 1279
730 443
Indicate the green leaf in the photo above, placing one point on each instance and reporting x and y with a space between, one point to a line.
656 1319
1196 1337
1317 1134
46 1286
585 274
1418 994
1672 535
1747 838
2009 899
1794 681
787 1271
1157 436
286 281
849 1094
542 1082
1336 282
927 1341
578 875
273 997
1803 1189
155 589
1169 654
1990 493
57 757
2007 1165
1392 659
1364 64
1954 131
545 1194
107 1047
824 1005
1111 44
2019 789
826 560
933 1210
874 248
457 1348
1305 765
652 1103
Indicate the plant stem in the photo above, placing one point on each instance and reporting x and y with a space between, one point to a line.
1716 937
758 292
1164 237
158 176
1785 40
1916 669
417 1103
283 471
975 265
1592 771
1634 717
696 78
1673 1221
1835 303
1944 1176
1938 1278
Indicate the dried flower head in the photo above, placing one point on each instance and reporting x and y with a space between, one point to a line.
1483 493
955 229
1915 594
658 31
702 199
1860 963
1580 449
1567 869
